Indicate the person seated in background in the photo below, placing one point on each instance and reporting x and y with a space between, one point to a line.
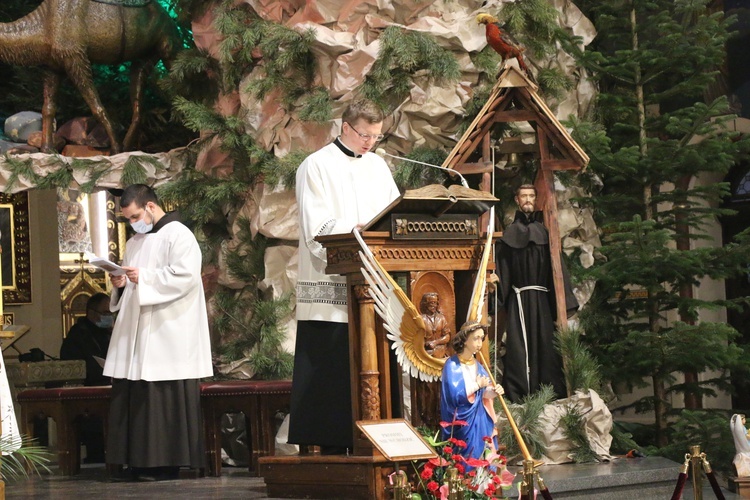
89 337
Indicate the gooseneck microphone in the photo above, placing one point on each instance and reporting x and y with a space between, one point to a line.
381 152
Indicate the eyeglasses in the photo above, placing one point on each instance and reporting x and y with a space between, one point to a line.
366 137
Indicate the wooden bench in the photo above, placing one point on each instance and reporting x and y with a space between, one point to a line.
258 400
65 405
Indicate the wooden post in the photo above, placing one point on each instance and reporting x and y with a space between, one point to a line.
369 375
545 186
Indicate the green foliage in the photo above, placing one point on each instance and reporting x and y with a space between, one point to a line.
574 429
581 369
653 134
17 463
283 170
533 22
403 54
708 429
134 169
622 438
526 416
409 175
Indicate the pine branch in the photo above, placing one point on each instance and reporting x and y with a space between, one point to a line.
526 416
574 430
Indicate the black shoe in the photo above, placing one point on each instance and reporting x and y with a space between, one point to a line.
149 474
124 476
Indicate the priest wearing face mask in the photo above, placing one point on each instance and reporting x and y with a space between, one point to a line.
89 337
160 346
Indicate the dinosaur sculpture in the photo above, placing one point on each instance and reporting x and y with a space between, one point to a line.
66 36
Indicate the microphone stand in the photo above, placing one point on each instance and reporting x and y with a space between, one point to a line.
381 152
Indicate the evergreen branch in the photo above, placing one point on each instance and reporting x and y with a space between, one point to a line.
574 430
133 172
19 169
582 371
526 416
283 170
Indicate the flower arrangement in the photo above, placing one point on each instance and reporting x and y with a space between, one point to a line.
451 475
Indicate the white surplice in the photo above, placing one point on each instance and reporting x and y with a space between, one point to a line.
335 192
161 332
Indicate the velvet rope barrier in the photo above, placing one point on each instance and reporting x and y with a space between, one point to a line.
681 479
543 489
712 479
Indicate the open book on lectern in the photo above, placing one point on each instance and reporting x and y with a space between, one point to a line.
434 202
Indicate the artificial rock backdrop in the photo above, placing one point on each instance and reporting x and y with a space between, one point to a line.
346 47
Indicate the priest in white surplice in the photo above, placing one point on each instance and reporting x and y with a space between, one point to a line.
160 345
340 186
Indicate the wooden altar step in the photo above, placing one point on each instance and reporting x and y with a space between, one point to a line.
327 476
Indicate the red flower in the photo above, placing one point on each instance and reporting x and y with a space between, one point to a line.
438 462
475 462
427 472
457 458
487 439
448 450
460 468
445 425
433 486
458 442
489 490
472 473
496 479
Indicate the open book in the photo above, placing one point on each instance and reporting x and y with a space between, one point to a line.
439 191
435 200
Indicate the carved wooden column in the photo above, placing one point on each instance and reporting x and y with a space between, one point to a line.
369 376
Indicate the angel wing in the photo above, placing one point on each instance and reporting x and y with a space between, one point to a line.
480 285
401 319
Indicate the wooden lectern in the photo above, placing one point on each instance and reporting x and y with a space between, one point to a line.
427 243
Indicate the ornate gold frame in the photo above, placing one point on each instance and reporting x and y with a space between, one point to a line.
14 240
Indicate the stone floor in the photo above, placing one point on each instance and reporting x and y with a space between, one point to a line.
562 480
92 483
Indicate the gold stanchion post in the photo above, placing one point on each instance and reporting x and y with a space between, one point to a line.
696 461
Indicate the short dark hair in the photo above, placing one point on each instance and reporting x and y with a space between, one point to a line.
458 342
141 194
526 186
95 300
365 109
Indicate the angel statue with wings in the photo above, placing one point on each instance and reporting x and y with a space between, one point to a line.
467 387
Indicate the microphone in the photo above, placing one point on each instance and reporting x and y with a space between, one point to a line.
381 152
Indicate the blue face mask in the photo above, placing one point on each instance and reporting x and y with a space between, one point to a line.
141 227
106 322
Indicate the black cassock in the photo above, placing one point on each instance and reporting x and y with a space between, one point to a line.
524 263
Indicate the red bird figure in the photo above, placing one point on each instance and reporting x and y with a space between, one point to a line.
501 41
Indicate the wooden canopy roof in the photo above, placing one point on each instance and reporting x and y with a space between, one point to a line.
514 99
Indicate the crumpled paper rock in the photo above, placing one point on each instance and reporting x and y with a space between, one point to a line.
43 164
597 421
281 270
277 215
